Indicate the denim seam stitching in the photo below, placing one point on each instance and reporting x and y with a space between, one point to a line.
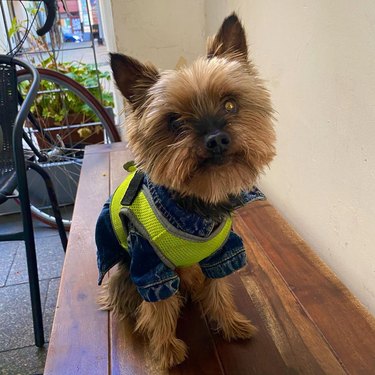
156 199
238 251
158 282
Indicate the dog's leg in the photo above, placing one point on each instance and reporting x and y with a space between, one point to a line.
158 321
120 294
218 305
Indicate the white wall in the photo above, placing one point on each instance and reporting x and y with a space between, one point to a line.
159 31
319 59
109 37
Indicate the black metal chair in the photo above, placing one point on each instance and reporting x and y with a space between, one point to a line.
13 174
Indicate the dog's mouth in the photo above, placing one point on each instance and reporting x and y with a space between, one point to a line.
215 159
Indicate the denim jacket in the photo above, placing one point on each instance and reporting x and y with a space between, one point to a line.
155 280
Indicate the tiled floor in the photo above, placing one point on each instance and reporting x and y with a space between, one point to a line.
18 354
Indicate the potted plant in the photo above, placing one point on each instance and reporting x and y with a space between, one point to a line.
54 107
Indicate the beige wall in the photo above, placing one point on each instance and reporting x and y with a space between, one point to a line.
159 31
319 60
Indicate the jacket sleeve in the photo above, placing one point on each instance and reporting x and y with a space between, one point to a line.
228 259
109 251
153 279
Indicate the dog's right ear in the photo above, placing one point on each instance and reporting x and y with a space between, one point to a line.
230 40
132 77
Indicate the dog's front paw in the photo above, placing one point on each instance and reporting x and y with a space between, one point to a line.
237 327
170 353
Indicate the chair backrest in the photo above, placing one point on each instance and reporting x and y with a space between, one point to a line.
8 114
11 121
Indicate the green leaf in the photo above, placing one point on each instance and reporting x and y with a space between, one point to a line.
57 105
14 27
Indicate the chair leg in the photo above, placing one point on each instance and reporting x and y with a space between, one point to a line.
54 202
32 267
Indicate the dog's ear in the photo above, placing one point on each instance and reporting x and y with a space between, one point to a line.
132 77
230 41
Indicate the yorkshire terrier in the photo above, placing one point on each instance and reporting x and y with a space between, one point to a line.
200 136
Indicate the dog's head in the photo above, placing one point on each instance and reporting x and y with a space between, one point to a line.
204 130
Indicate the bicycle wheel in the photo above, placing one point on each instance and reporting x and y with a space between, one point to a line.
78 120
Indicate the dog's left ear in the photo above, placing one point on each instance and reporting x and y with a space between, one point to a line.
230 41
132 77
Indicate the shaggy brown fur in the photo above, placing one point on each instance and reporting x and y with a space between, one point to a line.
120 295
170 115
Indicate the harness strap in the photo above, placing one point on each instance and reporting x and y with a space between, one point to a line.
115 206
133 189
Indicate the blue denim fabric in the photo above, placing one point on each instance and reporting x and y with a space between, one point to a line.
109 250
155 280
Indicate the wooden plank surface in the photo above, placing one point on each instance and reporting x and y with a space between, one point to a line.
300 344
308 321
259 355
79 338
343 321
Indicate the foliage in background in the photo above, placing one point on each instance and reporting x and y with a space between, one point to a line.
52 104
56 105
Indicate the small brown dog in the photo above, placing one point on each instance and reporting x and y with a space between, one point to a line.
200 135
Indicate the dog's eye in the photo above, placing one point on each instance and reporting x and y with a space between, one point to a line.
175 122
230 106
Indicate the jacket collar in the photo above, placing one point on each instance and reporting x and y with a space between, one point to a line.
184 220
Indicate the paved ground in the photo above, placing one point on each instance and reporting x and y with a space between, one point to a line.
18 354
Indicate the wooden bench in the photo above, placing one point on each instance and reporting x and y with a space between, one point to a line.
308 321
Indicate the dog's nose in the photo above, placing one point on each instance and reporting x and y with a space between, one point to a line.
217 142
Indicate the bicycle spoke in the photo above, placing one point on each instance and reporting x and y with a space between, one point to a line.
62 141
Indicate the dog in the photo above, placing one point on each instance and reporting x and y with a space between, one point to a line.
200 135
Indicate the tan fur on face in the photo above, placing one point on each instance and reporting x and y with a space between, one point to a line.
175 160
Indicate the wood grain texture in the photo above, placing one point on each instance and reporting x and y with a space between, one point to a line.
308 322
203 356
344 323
259 355
106 148
79 338
301 345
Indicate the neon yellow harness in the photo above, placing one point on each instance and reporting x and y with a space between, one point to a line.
176 248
